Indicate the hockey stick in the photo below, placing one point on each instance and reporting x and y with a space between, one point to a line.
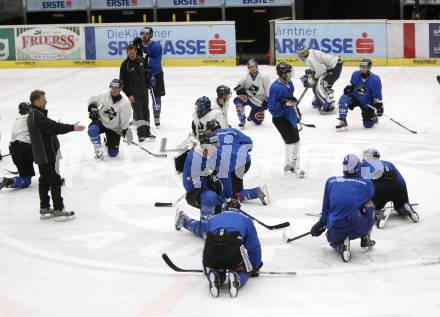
163 144
302 96
139 146
398 123
318 214
161 204
438 79
6 155
174 267
274 227
288 240
11 172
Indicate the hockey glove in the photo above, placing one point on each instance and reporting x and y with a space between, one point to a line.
317 229
379 108
137 41
304 80
255 270
213 180
264 104
368 208
93 111
127 135
348 90
239 90
289 102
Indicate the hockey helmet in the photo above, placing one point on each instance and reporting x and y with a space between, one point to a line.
251 62
24 108
208 137
203 104
147 30
351 165
116 83
283 68
365 63
302 53
231 205
223 90
213 125
371 154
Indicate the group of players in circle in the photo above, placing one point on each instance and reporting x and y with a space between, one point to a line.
215 157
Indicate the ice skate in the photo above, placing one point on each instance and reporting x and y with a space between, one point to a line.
99 153
344 248
234 283
382 217
411 213
214 283
263 194
242 124
5 182
342 125
367 243
62 215
157 121
46 213
180 218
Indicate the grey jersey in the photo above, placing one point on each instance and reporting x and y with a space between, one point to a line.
224 108
258 87
200 123
20 131
113 115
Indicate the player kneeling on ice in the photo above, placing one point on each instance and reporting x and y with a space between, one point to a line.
221 101
233 161
389 185
347 209
232 249
110 113
364 91
204 113
204 190
322 73
252 91
285 117
21 151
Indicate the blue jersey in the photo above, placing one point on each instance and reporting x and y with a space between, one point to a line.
379 169
366 90
154 52
231 135
193 171
233 221
344 196
278 92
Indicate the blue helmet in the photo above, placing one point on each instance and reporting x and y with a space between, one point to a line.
203 105
351 165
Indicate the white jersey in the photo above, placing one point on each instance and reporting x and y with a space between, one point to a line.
200 123
321 62
223 108
258 87
20 130
113 115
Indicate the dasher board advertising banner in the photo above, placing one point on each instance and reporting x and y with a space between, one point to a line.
56 5
258 3
166 4
121 4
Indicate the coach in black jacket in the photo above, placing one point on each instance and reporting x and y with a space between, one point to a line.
45 148
133 73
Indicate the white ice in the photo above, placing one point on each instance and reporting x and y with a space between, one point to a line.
107 262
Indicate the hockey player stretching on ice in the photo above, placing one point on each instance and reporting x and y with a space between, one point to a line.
21 151
232 250
347 209
282 106
221 101
204 113
110 113
203 188
233 161
324 70
365 91
252 91
389 185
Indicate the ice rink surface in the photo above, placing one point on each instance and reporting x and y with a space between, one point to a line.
107 261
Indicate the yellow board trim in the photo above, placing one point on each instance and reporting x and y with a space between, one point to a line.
115 63
413 61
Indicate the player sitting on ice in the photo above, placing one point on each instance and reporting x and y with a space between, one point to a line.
221 102
347 209
204 113
21 151
204 190
110 113
232 250
365 91
233 161
389 186
285 117
252 91
323 71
